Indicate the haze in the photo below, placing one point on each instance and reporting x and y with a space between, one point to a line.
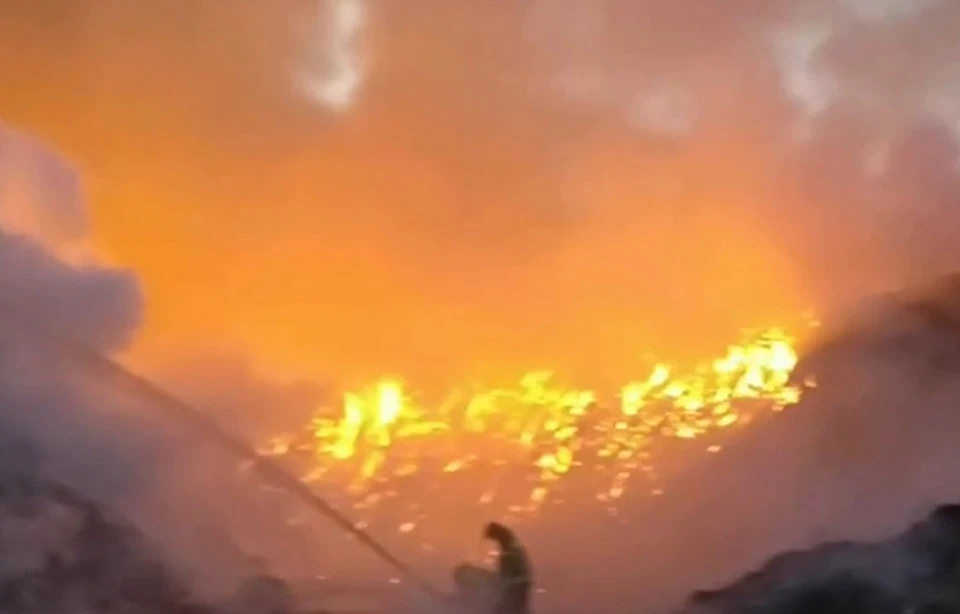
327 191
499 185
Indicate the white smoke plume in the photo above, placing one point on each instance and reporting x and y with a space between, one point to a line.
43 211
65 421
41 196
70 421
335 73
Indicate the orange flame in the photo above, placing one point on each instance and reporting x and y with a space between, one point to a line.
550 428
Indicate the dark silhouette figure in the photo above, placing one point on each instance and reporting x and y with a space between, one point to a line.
513 569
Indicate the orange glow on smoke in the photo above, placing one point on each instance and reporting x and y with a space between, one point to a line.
492 222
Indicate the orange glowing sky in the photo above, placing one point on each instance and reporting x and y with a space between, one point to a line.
452 207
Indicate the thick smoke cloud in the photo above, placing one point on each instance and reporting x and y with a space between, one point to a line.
559 183
41 195
42 211
61 419
43 228
96 304
73 422
532 183
514 170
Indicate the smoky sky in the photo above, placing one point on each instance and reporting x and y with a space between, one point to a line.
860 459
513 183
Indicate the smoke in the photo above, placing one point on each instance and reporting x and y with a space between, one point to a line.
866 453
97 304
511 185
73 422
529 184
66 420
40 193
563 185
837 134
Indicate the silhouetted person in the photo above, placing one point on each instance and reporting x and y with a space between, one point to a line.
513 569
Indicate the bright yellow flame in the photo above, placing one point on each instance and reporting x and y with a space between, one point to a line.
554 429
370 415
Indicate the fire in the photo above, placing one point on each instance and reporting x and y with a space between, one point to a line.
373 414
542 429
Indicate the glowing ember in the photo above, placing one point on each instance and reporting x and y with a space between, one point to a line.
540 429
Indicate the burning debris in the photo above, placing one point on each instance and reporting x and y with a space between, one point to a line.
385 428
540 431
917 571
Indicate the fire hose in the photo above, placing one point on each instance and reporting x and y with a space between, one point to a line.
170 404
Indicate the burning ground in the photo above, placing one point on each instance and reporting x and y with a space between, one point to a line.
818 447
635 493
759 448
518 445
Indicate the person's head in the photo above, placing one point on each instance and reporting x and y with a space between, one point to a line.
497 532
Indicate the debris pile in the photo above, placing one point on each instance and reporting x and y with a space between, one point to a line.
917 571
60 552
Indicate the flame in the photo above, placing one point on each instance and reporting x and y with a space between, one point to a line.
544 428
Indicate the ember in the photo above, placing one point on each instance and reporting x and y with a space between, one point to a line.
540 428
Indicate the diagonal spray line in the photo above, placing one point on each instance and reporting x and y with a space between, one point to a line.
170 404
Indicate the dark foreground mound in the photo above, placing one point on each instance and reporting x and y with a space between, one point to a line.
60 552
917 571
